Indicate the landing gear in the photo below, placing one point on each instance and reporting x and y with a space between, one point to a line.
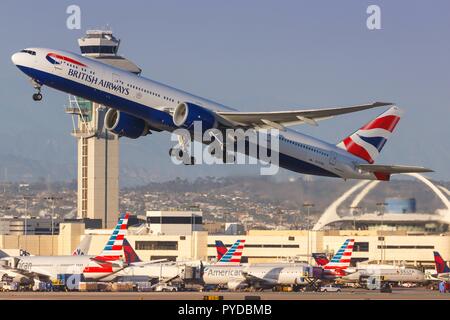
181 155
37 96
182 151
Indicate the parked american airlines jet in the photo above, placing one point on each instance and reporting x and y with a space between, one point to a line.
139 106
88 267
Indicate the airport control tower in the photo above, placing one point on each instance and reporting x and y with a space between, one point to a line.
98 150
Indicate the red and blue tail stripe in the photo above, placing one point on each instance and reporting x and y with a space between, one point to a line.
441 265
369 140
221 249
114 247
234 254
320 258
130 255
341 260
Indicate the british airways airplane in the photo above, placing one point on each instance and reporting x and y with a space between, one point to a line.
139 106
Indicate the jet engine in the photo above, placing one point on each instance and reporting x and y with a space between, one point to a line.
236 284
186 113
125 125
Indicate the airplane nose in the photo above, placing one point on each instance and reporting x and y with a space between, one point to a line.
15 58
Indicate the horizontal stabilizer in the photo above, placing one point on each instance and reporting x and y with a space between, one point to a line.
391 169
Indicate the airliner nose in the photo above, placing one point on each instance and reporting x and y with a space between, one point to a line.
15 58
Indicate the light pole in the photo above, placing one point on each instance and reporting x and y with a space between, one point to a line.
308 206
381 205
53 199
354 208
25 198
280 214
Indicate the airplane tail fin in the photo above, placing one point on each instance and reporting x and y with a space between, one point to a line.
233 255
320 258
221 249
130 255
441 266
341 260
114 247
83 247
367 142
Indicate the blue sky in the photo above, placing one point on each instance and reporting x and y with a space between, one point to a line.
251 55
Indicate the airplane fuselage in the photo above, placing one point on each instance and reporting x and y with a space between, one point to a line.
386 274
149 100
52 266
266 275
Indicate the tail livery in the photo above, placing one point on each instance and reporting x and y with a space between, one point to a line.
320 258
130 255
341 259
83 247
367 142
221 249
441 265
233 255
114 247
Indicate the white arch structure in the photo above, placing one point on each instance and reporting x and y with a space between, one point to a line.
330 214
445 190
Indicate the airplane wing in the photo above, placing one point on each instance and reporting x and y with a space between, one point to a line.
254 279
146 263
281 119
391 169
27 274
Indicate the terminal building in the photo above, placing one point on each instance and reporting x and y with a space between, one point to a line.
184 240
394 234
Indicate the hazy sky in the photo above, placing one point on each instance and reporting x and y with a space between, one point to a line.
251 55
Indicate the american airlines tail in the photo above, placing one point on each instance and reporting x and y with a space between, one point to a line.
341 259
441 266
234 255
83 247
367 142
114 247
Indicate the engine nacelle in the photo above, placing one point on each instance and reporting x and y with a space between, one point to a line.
236 284
125 125
186 113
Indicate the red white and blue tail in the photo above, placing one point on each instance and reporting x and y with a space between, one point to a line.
342 258
367 142
233 255
114 247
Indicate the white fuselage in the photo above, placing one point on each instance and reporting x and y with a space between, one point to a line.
161 271
52 266
147 99
265 275
387 273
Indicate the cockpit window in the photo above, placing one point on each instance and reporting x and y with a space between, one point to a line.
33 53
